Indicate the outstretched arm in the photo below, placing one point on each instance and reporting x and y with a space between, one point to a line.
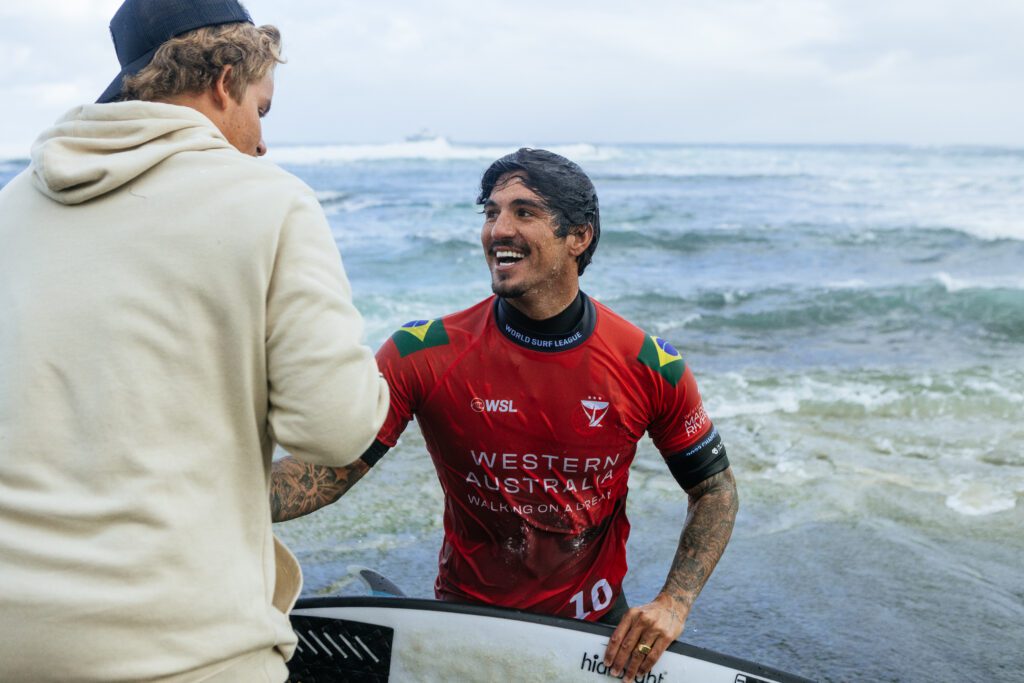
298 488
709 520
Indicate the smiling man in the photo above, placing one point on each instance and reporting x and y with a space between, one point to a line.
531 404
172 306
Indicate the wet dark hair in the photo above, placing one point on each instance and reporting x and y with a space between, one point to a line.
562 185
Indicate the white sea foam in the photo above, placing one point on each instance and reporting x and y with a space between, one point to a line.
435 149
978 498
848 284
734 408
335 201
353 205
883 445
992 388
955 284
926 381
743 399
991 228
730 297
738 379
866 237
665 326
451 235
789 472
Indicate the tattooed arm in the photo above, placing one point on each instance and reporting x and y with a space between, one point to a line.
296 488
709 521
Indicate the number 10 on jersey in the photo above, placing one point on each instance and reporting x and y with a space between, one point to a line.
600 597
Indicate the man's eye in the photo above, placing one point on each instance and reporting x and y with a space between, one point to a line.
524 213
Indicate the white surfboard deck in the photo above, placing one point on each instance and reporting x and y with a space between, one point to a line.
374 639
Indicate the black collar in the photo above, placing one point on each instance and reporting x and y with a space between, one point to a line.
564 331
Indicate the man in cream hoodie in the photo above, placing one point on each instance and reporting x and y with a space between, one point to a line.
171 307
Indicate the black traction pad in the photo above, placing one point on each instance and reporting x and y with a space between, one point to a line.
340 651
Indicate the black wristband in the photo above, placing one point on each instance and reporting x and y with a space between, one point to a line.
701 461
374 453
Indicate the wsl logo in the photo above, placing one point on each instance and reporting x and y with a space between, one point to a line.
503 405
595 410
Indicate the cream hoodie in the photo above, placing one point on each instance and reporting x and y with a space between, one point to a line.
169 308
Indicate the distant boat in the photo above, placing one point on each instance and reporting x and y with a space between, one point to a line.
424 135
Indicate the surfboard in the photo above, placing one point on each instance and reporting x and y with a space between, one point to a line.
395 639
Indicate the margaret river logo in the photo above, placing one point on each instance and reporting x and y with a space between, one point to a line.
595 409
418 335
662 357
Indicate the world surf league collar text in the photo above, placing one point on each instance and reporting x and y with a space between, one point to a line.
543 343
595 664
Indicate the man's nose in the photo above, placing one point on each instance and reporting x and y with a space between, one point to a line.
261 148
503 226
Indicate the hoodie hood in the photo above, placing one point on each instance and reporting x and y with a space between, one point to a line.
97 148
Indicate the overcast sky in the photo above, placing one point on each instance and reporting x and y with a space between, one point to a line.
542 71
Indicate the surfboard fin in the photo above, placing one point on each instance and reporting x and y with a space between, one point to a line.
379 585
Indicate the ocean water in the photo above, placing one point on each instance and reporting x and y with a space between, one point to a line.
855 319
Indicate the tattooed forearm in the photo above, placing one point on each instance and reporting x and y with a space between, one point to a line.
709 522
296 488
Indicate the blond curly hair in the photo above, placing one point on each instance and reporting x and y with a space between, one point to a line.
193 61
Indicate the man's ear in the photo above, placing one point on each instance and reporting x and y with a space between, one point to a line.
579 238
221 93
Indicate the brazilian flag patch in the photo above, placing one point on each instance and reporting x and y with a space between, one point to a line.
662 357
418 335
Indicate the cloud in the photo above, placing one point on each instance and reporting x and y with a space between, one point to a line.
705 70
60 11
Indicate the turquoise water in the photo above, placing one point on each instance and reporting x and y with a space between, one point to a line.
855 318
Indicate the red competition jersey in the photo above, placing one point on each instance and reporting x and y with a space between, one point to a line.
533 448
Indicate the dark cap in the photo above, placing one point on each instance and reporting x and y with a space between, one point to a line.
141 26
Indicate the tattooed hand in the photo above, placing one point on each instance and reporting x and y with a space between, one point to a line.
643 635
646 632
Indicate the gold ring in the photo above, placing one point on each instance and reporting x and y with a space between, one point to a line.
643 649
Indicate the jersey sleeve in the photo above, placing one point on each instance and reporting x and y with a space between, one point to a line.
408 372
403 393
680 427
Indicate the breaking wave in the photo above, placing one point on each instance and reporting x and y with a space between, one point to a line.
434 149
